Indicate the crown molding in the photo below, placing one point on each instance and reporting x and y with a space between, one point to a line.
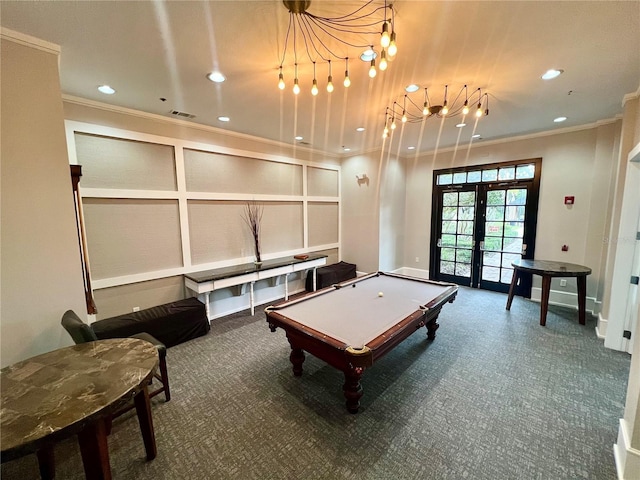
194 125
517 138
29 41
631 96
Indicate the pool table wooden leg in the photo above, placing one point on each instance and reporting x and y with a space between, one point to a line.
297 358
352 388
432 326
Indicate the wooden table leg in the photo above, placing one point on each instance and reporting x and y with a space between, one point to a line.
143 409
95 451
512 288
46 462
544 301
582 298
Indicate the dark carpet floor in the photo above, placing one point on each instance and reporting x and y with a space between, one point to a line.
495 396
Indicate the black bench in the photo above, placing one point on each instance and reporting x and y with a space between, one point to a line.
171 323
330 275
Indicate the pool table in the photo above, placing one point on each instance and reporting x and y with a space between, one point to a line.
352 324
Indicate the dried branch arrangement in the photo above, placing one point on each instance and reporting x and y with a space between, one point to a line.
252 216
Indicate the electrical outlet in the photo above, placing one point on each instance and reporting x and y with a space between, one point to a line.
136 309
417 259
563 283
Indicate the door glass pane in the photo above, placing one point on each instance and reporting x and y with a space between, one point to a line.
465 227
468 198
448 254
449 226
449 213
495 197
463 270
491 258
492 274
517 196
450 198
495 213
447 268
505 275
513 245
509 258
514 229
448 240
463 255
465 241
494 229
493 243
515 214
465 213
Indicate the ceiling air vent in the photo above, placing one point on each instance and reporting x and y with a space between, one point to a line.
178 113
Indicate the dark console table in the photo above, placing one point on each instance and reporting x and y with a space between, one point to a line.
240 276
549 269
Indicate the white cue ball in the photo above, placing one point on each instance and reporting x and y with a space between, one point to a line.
380 294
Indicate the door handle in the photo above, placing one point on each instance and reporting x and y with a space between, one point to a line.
439 242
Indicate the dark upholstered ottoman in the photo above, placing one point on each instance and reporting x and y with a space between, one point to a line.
172 323
330 275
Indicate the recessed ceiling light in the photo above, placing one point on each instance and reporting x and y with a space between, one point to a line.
106 89
360 129
224 119
553 73
368 55
460 125
299 138
411 88
411 148
477 135
559 119
346 149
216 77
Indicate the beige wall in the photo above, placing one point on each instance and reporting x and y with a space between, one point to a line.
360 210
75 109
40 261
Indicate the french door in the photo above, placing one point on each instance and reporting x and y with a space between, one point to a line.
481 227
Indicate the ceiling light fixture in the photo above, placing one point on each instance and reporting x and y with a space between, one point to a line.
224 119
106 89
559 119
360 129
216 77
299 138
320 38
411 88
411 148
550 74
413 110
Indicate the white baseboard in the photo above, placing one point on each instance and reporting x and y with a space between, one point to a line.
601 327
627 458
563 299
412 272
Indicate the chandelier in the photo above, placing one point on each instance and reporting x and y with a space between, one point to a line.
414 110
316 38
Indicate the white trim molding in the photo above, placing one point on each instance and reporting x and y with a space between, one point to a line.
627 458
29 41
563 299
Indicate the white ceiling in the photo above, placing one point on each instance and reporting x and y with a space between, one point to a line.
152 50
